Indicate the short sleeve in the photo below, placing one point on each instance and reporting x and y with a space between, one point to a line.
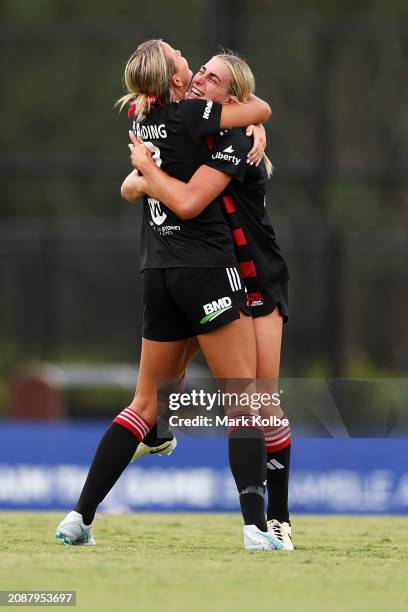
229 153
200 117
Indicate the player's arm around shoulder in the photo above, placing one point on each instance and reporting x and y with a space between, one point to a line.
186 200
241 114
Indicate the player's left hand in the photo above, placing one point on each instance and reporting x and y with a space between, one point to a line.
140 156
259 136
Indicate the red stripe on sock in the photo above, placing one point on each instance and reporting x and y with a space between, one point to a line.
278 437
274 447
273 433
133 422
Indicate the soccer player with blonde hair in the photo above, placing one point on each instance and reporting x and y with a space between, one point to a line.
184 264
226 78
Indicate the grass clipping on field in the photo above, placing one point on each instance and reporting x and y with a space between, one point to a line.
196 562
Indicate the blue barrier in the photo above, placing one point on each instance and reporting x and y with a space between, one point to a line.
43 467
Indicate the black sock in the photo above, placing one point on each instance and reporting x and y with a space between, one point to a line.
247 457
278 464
113 454
154 439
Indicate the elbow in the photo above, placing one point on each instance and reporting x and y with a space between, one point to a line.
267 112
188 211
126 192
185 214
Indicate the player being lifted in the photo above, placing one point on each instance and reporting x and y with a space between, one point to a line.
227 79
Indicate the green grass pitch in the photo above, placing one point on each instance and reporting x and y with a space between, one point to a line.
195 563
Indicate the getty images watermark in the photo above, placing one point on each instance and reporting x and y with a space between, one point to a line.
315 407
239 409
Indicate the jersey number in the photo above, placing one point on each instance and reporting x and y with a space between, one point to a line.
155 151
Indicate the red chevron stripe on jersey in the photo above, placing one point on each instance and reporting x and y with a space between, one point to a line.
239 237
229 205
133 422
247 269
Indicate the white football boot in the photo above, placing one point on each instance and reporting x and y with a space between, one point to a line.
255 539
163 447
282 532
72 531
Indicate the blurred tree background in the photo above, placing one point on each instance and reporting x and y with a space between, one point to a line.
334 72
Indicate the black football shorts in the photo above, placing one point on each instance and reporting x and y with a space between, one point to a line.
182 302
263 303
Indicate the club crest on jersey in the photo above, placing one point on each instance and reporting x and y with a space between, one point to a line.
157 214
215 308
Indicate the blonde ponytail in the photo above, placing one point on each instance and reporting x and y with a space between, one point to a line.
268 165
147 74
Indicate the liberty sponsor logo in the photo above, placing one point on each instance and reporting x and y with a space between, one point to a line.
215 308
207 110
226 156
157 214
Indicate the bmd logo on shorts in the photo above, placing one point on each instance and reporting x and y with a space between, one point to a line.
215 308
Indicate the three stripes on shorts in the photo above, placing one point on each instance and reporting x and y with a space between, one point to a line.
234 279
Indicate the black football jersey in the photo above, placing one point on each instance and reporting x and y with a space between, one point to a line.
175 134
261 262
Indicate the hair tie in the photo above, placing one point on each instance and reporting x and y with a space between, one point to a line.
154 100
131 109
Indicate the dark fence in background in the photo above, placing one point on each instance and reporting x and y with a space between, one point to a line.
72 290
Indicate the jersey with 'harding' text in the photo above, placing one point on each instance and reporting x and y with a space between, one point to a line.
175 134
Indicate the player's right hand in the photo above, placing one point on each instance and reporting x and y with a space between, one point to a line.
140 156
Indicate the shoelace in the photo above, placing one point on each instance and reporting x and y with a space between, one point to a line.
277 530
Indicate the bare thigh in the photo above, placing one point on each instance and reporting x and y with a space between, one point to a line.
230 350
192 349
158 360
268 333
